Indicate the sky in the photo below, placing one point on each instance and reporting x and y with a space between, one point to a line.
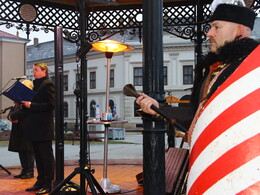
41 35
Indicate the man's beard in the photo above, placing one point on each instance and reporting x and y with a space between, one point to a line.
213 45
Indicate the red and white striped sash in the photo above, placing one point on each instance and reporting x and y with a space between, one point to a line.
225 145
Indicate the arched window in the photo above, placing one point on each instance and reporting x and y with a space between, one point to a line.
112 106
92 109
185 98
66 109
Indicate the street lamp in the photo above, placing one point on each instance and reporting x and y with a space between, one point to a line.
109 47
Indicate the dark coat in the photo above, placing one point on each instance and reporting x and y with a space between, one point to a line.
17 143
232 53
39 124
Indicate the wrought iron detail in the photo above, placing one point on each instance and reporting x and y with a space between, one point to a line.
256 4
136 33
179 20
188 22
7 24
179 15
114 19
206 13
46 14
71 36
104 34
187 32
29 28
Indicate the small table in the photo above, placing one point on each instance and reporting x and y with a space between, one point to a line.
105 182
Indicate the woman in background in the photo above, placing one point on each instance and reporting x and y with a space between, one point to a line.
17 143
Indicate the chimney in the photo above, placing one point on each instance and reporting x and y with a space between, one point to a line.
17 35
35 41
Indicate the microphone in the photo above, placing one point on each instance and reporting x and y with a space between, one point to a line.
18 78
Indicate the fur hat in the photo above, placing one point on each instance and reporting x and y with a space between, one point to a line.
234 13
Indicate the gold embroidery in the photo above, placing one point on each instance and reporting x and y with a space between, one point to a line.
218 69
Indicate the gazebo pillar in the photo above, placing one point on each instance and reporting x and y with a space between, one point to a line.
153 85
59 111
83 95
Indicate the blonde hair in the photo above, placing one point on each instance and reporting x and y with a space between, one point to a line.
42 66
28 84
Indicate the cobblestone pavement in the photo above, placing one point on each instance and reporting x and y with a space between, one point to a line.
122 175
124 163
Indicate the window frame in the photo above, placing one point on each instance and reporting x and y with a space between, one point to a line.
138 79
92 81
112 78
65 109
187 78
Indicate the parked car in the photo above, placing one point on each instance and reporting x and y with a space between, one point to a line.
3 126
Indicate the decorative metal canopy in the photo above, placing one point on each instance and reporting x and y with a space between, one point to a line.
105 17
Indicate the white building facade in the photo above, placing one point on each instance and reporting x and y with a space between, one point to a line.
126 67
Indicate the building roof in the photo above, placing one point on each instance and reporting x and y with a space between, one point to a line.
5 34
46 50
10 37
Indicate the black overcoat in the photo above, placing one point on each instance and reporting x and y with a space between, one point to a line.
39 124
17 143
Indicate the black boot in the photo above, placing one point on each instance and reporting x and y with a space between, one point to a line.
27 175
18 176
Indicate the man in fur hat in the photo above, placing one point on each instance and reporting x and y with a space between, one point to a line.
230 42
224 155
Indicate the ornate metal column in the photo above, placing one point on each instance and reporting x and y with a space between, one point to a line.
59 112
83 95
153 134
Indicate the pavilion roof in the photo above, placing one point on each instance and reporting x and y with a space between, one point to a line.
98 3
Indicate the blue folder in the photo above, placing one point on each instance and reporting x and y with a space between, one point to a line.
19 92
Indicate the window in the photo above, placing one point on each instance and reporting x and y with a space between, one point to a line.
187 74
138 76
77 80
92 109
165 75
111 104
112 107
65 82
92 80
66 109
112 78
